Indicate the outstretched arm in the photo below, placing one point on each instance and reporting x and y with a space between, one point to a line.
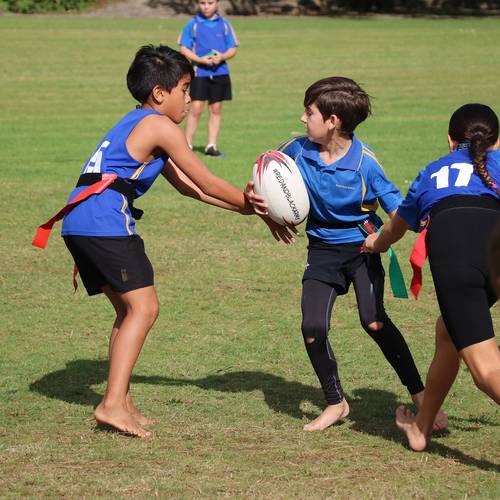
391 232
157 133
185 186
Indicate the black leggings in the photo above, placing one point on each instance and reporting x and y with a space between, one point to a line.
317 304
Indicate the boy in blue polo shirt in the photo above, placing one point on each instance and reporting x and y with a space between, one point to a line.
208 41
345 183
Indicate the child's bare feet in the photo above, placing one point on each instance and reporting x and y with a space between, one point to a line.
441 419
440 422
139 417
405 421
120 419
330 415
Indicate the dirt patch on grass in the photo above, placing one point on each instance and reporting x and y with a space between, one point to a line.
129 9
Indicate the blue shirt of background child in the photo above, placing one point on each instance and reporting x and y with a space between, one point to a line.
202 35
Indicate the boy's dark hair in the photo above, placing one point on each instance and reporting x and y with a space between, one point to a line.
341 97
476 125
153 66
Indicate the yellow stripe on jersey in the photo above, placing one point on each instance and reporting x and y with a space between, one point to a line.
127 218
139 170
368 153
286 144
366 207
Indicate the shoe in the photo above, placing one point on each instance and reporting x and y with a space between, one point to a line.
212 151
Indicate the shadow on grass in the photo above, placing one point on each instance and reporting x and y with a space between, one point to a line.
372 410
74 385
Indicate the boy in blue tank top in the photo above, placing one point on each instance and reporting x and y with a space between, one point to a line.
99 217
208 41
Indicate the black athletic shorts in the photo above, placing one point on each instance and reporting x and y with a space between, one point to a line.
120 262
457 243
337 264
211 89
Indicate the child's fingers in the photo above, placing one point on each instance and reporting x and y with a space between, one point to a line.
258 203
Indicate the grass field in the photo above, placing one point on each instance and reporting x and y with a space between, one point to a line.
224 370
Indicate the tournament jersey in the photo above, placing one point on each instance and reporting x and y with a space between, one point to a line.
108 213
344 193
202 35
451 175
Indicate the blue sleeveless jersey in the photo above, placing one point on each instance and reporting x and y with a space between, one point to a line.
451 175
108 213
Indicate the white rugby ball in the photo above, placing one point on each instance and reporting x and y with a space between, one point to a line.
278 180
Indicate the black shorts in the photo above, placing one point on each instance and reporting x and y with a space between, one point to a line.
457 243
119 262
211 89
337 264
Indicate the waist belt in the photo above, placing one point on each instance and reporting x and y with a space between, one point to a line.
419 252
96 183
120 185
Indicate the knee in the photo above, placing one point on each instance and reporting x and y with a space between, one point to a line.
481 379
148 311
196 111
215 111
373 327
313 332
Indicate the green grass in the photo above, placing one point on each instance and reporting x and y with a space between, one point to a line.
224 369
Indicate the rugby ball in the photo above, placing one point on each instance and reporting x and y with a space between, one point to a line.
278 180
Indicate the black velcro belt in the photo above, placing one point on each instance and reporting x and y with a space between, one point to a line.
465 201
123 186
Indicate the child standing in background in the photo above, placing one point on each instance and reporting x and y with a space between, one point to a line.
208 41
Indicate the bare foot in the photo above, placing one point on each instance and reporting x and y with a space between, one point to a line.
440 422
120 419
405 421
139 417
330 415
441 419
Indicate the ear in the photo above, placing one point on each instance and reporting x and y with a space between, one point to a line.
158 94
334 122
452 144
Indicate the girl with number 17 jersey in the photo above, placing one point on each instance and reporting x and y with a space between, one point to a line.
455 202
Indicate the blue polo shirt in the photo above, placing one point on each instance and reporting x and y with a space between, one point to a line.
202 35
344 193
450 175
